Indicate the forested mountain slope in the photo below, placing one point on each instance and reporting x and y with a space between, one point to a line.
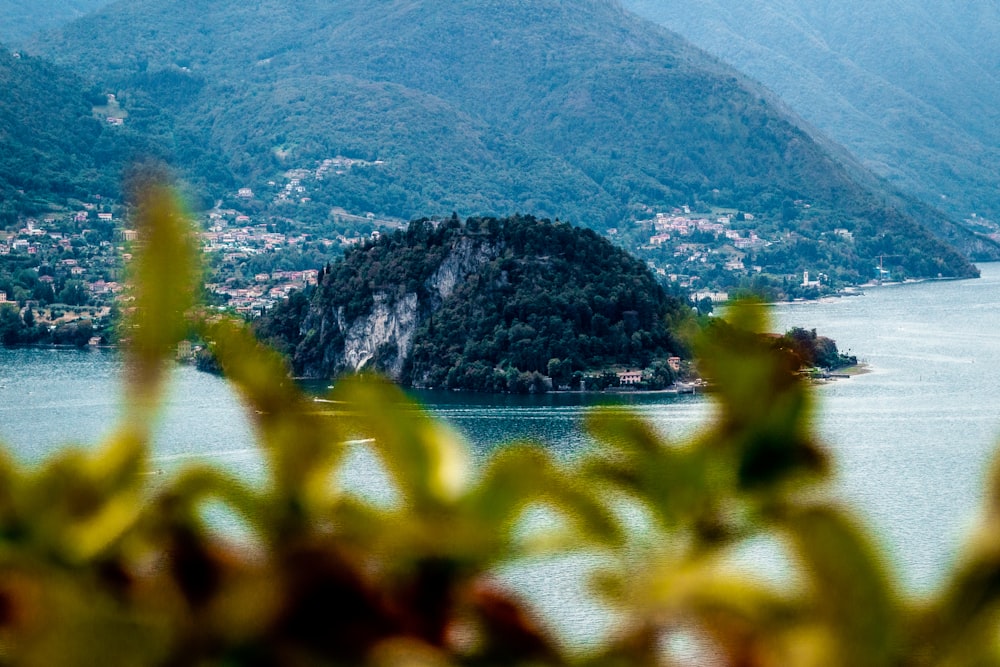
20 19
479 304
911 88
58 146
54 148
577 110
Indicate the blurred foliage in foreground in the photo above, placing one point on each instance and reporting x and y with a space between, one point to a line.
98 566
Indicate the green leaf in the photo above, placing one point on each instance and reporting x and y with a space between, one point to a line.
302 446
674 481
524 475
850 585
165 281
427 462
765 406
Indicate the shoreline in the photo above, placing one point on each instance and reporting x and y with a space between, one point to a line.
859 290
58 346
843 373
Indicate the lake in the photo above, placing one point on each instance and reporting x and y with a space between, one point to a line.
911 440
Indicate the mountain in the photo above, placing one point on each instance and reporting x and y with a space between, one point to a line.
488 304
58 145
20 19
54 148
911 88
577 110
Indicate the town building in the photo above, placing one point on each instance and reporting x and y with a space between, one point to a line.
629 378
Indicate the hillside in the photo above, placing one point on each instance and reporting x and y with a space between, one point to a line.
578 110
59 147
53 146
20 19
911 88
480 305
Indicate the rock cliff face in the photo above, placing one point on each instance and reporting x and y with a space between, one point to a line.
381 338
466 257
384 335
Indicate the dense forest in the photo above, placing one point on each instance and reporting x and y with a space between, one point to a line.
498 303
59 149
578 110
53 146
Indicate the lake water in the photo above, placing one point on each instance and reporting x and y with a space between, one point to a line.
911 440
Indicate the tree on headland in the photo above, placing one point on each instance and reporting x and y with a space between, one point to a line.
813 350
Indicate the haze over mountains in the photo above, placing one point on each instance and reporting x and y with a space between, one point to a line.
574 110
20 19
912 88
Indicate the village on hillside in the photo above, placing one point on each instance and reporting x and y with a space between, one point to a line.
258 247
